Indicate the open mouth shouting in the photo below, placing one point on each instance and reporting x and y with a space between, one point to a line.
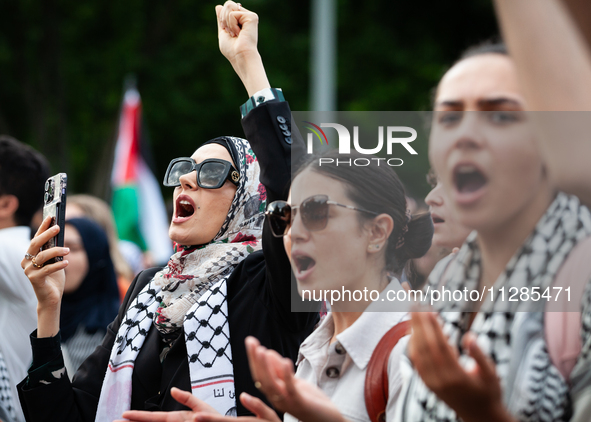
184 208
303 265
436 219
469 183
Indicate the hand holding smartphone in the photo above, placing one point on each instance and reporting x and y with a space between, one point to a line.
54 205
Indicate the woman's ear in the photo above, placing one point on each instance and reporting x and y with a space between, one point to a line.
8 206
379 232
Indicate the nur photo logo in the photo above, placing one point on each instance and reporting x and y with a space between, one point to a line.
387 136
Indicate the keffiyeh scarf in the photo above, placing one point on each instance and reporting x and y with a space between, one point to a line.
190 292
511 333
6 399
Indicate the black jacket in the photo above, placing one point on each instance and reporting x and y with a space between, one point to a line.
259 304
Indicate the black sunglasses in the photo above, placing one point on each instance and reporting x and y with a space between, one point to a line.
211 173
314 212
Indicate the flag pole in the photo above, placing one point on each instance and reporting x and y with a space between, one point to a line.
323 55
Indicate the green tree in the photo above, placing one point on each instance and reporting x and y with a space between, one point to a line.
63 63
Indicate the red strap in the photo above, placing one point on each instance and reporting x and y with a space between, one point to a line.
376 376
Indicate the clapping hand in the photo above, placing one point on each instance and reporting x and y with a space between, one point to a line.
202 412
198 407
274 376
475 394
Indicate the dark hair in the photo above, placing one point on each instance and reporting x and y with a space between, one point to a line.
377 188
23 172
432 178
490 46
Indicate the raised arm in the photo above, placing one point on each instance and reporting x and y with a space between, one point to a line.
267 124
580 10
238 36
47 280
47 393
554 67
266 114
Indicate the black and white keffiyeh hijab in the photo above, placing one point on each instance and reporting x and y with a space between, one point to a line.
511 333
190 292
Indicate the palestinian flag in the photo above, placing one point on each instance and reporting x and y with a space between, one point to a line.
138 206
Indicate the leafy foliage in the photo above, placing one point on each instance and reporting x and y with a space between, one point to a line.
63 64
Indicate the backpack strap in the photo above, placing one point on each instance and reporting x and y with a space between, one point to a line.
562 325
376 376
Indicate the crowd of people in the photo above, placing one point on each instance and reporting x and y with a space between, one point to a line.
213 335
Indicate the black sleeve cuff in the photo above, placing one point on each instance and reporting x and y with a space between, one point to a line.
45 349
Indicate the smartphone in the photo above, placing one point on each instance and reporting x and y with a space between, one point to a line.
54 205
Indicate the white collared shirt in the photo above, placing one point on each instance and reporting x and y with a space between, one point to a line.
339 368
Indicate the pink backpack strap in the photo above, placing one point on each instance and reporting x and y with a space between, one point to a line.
562 330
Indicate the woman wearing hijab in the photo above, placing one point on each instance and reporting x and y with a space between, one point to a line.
184 325
98 210
91 295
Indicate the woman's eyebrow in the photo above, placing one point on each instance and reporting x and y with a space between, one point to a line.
494 103
455 104
484 104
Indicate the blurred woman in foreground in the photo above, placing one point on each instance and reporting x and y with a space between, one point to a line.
495 358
